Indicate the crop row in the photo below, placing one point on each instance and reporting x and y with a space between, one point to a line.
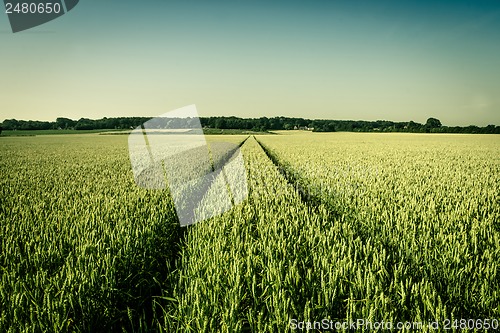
429 205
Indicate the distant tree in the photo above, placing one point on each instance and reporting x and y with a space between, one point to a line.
1 129
415 127
490 129
472 129
220 123
275 124
433 123
399 126
65 123
301 122
325 126
10 124
84 124
263 123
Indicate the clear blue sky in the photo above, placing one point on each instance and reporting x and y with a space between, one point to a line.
394 60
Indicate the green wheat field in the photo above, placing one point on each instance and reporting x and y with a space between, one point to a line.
340 226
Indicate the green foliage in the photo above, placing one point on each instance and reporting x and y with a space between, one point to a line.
433 123
418 234
82 248
261 124
344 226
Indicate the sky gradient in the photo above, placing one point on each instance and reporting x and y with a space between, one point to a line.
360 60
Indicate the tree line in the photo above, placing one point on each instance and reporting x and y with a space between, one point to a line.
262 124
